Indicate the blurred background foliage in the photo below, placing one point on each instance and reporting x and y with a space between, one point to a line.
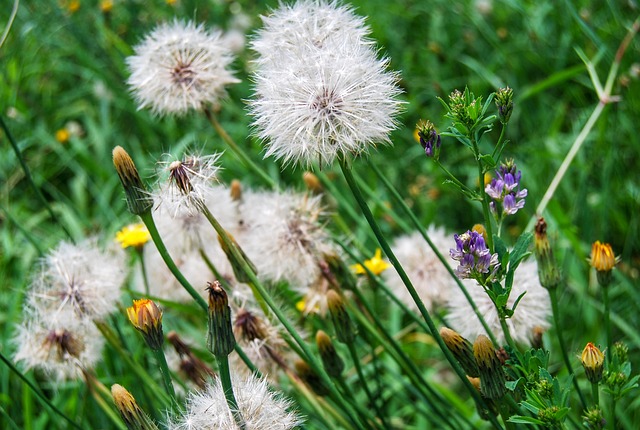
63 96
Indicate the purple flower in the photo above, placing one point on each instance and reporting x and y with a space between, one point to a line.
429 139
475 259
505 189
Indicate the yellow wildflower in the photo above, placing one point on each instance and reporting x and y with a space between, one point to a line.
106 6
135 235
376 265
602 257
63 135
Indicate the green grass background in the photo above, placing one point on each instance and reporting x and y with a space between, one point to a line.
57 66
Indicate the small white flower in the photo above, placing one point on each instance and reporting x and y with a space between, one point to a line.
428 275
284 236
180 66
62 347
79 278
260 408
320 90
533 310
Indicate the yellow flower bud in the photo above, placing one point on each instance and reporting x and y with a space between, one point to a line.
146 317
593 362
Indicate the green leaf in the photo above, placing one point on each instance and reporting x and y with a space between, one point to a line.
488 162
519 419
520 249
515 304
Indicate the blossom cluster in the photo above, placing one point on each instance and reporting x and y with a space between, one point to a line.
505 190
474 257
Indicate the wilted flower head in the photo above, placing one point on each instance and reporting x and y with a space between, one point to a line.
258 406
179 66
532 311
78 278
428 275
475 259
320 90
505 189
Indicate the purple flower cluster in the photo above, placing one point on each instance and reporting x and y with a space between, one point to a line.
505 189
476 260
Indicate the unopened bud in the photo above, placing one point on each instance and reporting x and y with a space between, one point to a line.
492 376
593 362
312 182
236 190
547 268
132 415
462 350
220 339
341 320
138 199
603 260
310 378
504 103
146 317
332 362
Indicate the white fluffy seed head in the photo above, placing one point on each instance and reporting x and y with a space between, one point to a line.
260 408
284 236
61 347
180 66
320 90
534 310
428 275
81 279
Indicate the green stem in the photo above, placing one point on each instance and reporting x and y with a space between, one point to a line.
507 333
225 380
143 269
363 382
596 394
307 354
166 375
147 219
407 282
367 418
400 201
497 150
556 320
607 325
27 175
455 180
614 425
37 391
237 150
483 195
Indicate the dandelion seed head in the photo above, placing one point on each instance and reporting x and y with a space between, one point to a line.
178 67
320 90
430 278
81 278
259 407
533 310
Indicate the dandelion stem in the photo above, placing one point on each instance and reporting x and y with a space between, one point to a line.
37 391
143 269
307 354
148 221
239 151
607 324
407 282
166 375
363 382
27 175
435 249
225 380
556 320
596 394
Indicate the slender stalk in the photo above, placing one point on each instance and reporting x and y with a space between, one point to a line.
225 380
147 219
607 323
166 375
29 178
407 282
556 320
307 354
507 333
400 201
453 179
497 150
483 196
37 392
368 419
363 382
237 150
143 269
595 392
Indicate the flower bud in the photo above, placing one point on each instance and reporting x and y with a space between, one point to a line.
341 321
593 362
138 200
332 362
594 419
236 190
429 139
220 339
312 182
547 268
492 376
504 103
310 378
603 260
132 415
146 317
462 350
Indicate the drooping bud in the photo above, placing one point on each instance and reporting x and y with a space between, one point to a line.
492 376
312 182
593 362
547 268
220 339
332 362
146 317
311 378
462 350
132 415
341 320
504 103
536 337
138 199
603 260
429 139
